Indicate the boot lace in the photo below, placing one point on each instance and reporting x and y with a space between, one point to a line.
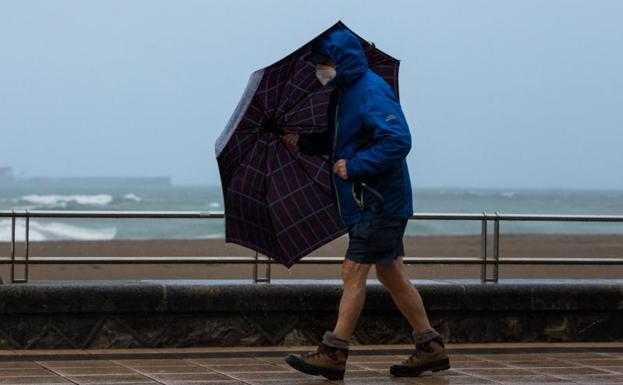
321 351
415 356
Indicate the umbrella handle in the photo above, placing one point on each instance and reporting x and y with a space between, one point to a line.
378 196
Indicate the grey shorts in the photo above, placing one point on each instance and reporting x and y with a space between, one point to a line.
377 240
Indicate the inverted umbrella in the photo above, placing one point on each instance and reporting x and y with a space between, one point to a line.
278 202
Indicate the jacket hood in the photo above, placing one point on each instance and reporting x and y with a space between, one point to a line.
345 49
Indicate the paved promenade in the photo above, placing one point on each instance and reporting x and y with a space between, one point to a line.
541 363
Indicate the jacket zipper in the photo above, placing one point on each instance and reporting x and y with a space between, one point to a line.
336 127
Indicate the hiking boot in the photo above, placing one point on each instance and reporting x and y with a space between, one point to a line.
430 355
326 361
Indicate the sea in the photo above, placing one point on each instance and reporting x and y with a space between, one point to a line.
209 198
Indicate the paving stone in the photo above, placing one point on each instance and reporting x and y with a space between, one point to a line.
599 362
568 371
366 373
247 368
377 358
232 360
477 364
375 380
510 357
232 382
151 362
456 380
19 365
172 369
78 363
254 376
465 357
377 366
319 381
88 371
532 379
188 377
34 380
228 382
571 356
545 363
21 372
110 379
594 379
484 372
125 383
613 369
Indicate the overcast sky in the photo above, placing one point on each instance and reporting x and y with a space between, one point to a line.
521 93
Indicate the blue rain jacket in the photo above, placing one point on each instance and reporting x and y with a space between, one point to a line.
370 133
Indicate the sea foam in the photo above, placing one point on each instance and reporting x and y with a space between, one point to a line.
63 200
133 197
54 231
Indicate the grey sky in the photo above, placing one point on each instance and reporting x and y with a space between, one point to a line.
498 93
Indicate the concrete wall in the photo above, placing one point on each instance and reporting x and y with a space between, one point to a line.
122 314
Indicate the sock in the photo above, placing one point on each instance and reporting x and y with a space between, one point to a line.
333 341
425 336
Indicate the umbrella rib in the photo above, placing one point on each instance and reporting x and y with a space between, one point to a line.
269 175
262 106
241 166
288 80
297 161
296 104
248 131
306 125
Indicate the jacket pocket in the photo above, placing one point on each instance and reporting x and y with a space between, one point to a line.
357 193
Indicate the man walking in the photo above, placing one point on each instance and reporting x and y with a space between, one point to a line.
367 142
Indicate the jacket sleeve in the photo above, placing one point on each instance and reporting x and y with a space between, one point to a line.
390 135
316 143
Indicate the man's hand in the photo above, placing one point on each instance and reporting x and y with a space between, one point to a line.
291 140
339 168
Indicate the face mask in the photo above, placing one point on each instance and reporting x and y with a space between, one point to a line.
325 73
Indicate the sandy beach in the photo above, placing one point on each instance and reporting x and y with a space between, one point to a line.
554 246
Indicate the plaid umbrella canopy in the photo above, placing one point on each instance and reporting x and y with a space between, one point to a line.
277 202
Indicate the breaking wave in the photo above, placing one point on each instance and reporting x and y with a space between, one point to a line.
54 231
133 197
63 200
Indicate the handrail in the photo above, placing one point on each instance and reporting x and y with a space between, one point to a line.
221 215
256 260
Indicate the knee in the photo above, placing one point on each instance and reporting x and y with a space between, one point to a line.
390 278
354 274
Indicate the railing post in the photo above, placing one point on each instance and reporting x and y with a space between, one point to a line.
256 277
483 247
496 247
27 251
13 245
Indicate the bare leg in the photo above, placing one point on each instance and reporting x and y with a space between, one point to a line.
354 276
406 297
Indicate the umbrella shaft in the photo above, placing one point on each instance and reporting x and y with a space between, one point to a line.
336 126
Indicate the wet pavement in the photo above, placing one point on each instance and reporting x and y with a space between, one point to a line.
471 364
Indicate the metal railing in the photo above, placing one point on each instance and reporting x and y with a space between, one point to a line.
483 260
